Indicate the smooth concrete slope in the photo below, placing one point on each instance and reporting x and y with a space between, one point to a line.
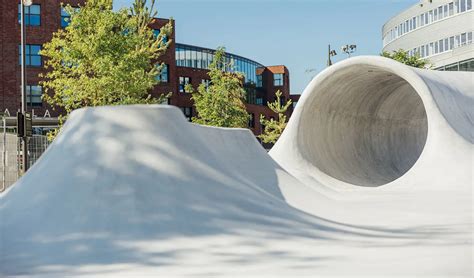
377 159
394 145
139 190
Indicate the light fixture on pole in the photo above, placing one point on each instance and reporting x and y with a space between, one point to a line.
331 53
24 3
349 49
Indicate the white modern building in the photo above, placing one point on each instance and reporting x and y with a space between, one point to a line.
438 30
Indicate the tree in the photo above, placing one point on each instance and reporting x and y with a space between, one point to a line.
221 103
274 128
103 57
403 57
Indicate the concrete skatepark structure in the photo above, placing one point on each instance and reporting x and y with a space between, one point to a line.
372 176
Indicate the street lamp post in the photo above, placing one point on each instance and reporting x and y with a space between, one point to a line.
331 53
24 3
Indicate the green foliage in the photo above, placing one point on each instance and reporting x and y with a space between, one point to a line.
403 57
222 102
274 128
104 57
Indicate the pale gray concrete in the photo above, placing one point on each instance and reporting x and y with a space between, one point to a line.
368 120
137 190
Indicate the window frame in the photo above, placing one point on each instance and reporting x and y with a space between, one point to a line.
259 83
28 15
164 73
30 96
28 55
275 79
182 82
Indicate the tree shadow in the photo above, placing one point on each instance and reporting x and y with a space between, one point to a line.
139 189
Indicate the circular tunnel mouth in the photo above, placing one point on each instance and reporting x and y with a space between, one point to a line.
364 125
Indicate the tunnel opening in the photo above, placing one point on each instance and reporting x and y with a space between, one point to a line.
363 125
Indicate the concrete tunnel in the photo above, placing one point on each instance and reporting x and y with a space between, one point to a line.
363 122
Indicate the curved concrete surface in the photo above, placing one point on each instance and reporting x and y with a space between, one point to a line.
137 190
366 121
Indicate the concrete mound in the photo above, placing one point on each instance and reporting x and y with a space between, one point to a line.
373 175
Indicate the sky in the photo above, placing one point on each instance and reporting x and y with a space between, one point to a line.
294 33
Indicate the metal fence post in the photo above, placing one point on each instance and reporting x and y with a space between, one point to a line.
4 153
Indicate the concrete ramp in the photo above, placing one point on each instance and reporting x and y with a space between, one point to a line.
373 176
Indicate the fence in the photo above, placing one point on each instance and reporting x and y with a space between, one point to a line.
11 147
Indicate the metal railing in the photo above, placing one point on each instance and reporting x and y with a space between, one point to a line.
11 168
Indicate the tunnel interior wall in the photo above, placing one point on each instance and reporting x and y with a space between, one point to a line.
363 125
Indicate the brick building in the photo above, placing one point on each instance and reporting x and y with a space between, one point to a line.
184 64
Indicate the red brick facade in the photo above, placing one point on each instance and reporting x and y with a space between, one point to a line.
10 38
10 81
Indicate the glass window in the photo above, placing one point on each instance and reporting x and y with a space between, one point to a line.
32 15
446 44
199 59
463 38
440 12
414 22
254 73
33 95
156 33
183 81
441 46
463 5
207 59
187 52
179 57
65 18
451 8
206 83
259 101
469 37
210 57
32 55
456 4
163 76
467 65
469 5
251 95
436 48
259 81
451 43
278 79
454 67
193 58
